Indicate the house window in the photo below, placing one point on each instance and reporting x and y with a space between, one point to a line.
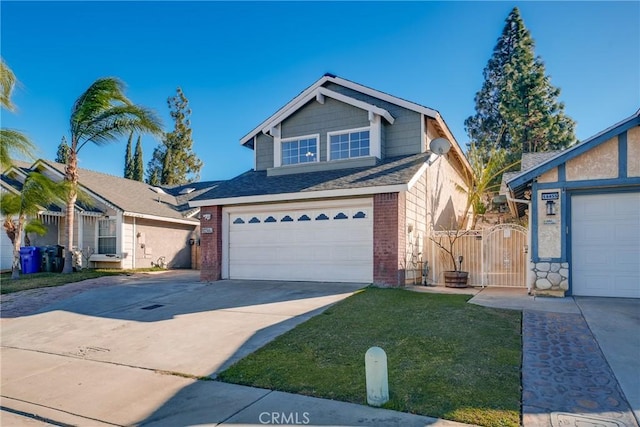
107 236
302 150
349 144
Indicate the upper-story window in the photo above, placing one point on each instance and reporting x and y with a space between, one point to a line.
299 150
350 144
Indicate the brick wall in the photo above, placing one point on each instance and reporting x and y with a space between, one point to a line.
389 239
211 243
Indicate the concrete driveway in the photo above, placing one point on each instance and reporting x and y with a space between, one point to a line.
117 353
615 324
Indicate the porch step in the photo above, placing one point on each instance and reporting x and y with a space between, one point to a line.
557 293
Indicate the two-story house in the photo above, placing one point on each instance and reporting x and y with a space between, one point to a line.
344 188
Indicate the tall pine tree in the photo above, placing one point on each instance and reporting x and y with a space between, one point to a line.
517 107
62 155
138 165
173 161
128 159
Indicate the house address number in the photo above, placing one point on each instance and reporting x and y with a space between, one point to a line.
551 196
207 230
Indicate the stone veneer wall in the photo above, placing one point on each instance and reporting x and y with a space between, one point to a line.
550 275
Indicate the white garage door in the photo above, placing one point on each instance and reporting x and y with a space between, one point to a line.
306 242
605 245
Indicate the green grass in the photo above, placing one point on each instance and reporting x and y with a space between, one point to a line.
446 358
45 280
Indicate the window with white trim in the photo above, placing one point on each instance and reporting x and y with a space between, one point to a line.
107 236
348 145
300 150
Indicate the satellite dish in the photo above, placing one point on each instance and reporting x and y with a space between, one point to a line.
440 146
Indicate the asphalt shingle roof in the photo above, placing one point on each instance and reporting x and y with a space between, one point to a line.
531 160
138 197
394 171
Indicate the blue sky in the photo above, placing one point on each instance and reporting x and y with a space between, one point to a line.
238 62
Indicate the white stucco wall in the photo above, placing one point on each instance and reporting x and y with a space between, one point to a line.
549 227
416 222
445 202
600 162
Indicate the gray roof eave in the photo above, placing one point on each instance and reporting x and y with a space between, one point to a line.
255 186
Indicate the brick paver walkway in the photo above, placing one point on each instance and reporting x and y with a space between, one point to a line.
565 378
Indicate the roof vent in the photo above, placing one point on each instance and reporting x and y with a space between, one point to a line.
187 190
158 190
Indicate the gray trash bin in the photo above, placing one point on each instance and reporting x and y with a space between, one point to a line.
48 255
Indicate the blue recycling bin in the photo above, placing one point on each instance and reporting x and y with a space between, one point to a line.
30 259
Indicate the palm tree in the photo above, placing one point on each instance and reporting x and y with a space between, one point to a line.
10 140
38 191
484 179
7 83
100 115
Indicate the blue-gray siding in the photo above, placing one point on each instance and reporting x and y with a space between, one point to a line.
322 118
401 138
264 152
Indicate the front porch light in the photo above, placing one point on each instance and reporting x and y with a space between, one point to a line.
551 207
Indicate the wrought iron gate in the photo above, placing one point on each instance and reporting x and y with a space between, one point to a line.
493 257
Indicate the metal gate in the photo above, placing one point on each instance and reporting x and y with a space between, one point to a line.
505 256
493 257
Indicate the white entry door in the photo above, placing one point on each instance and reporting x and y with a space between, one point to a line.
605 245
322 241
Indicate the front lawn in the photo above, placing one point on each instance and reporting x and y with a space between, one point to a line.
446 358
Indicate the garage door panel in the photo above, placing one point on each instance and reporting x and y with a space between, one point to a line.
323 243
605 245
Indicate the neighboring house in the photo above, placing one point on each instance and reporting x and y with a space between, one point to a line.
9 184
344 188
127 224
584 205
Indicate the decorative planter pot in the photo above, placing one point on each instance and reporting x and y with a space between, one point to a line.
456 279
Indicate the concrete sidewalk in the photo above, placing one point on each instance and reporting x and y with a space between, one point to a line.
83 395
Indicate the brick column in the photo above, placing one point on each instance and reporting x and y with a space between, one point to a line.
389 239
210 243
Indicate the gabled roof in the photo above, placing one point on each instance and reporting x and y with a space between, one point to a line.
317 90
391 175
563 156
528 161
539 163
134 197
13 179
